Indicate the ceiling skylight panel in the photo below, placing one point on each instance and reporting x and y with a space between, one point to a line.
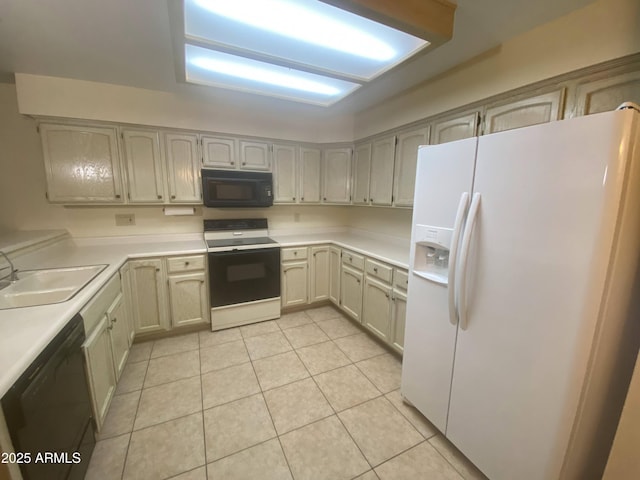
210 67
303 33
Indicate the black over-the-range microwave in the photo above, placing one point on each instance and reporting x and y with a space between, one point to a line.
228 188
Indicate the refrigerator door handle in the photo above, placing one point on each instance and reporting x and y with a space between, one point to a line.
464 256
453 256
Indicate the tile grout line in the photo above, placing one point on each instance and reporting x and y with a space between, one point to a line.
273 424
126 455
204 428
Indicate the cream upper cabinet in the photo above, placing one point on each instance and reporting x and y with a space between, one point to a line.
523 113
295 286
361 174
319 274
188 298
351 292
334 274
404 177
285 173
219 152
145 178
607 94
455 128
337 175
255 156
82 163
382 160
309 190
119 335
150 309
183 168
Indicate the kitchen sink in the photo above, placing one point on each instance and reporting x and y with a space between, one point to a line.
42 287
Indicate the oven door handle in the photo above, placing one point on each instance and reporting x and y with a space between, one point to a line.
229 253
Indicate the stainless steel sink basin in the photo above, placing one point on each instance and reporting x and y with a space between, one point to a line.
42 287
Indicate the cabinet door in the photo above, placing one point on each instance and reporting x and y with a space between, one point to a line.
188 299
398 318
351 292
149 296
309 175
319 274
219 152
405 165
376 314
361 174
102 377
145 179
294 283
82 164
607 94
183 168
254 156
118 335
523 113
334 275
285 173
337 175
382 160
125 275
456 128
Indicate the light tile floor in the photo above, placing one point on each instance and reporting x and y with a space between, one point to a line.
308 396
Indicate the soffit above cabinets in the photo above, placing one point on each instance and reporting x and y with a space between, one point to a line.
307 51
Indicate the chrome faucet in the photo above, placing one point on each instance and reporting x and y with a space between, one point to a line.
13 276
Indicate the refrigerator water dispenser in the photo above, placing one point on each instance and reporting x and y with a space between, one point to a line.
431 259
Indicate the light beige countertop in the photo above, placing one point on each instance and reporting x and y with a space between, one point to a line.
25 332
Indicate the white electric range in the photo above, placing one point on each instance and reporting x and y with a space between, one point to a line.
244 272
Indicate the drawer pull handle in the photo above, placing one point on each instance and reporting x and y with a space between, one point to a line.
117 196
157 269
186 264
159 197
173 197
295 253
375 269
301 198
115 319
233 163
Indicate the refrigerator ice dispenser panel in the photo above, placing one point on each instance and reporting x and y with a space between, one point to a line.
431 259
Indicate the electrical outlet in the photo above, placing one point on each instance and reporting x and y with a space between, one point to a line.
125 219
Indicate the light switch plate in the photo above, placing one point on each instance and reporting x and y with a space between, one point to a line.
125 219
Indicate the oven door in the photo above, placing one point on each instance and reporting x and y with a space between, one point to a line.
240 276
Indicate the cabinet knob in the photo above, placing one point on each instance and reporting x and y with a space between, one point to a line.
244 163
387 295
173 197
295 253
358 281
371 199
117 196
157 269
301 198
186 264
115 319
364 199
233 163
325 199
294 199
350 258
375 269
159 197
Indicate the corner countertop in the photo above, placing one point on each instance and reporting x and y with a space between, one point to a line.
25 332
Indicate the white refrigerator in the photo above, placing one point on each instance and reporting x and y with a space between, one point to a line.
523 317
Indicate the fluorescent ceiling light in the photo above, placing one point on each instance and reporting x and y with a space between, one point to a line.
303 46
305 22
220 69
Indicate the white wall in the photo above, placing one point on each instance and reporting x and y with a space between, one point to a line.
23 205
604 30
228 113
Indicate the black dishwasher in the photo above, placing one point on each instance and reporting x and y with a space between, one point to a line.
48 411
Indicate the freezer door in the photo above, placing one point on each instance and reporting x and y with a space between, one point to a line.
543 237
444 173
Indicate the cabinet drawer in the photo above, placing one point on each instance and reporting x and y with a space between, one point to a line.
185 264
401 279
93 311
295 253
353 259
379 270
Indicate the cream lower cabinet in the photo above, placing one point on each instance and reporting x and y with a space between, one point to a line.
351 292
118 334
376 312
398 318
294 276
334 274
100 370
319 274
125 278
150 309
188 298
106 347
